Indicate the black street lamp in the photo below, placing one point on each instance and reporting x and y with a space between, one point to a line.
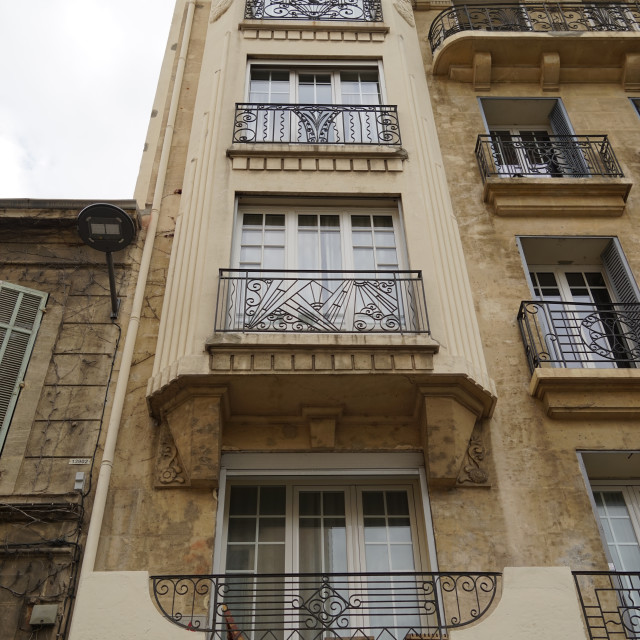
107 228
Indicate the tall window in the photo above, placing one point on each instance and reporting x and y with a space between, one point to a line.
588 313
20 314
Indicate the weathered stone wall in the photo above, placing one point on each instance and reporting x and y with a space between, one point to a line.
60 411
537 484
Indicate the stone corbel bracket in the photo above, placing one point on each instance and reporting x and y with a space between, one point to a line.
322 426
191 436
450 415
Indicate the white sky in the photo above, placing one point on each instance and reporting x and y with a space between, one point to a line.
77 82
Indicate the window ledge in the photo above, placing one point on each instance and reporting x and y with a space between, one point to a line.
313 30
597 196
579 394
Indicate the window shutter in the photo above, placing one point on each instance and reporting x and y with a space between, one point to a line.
20 315
574 160
619 274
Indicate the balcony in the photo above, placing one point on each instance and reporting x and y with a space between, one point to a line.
323 10
564 175
324 124
396 606
547 42
321 302
610 603
584 358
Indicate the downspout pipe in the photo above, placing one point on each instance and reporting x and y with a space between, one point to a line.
104 477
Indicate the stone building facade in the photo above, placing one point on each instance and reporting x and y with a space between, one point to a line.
337 418
59 358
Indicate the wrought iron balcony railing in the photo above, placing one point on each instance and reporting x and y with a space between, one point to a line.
393 606
324 10
557 157
580 334
535 17
321 301
316 124
610 603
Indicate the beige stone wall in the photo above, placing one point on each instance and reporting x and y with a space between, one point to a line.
537 488
60 412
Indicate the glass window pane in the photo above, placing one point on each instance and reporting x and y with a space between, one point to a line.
330 221
307 220
375 530
383 222
274 220
271 558
623 530
376 557
362 238
272 501
335 545
385 239
252 237
271 530
240 557
546 279
333 503
360 221
630 557
243 501
595 279
309 502
274 237
273 258
373 503
252 219
242 529
399 530
575 279
397 503
402 557
387 257
310 544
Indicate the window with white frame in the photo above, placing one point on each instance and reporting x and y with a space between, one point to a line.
20 315
315 554
588 311
320 268
316 103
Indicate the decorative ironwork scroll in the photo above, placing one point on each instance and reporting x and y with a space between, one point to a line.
580 334
316 124
610 603
321 302
323 10
397 606
473 471
557 157
534 17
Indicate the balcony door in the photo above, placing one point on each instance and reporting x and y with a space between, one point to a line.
318 269
585 329
309 89
305 557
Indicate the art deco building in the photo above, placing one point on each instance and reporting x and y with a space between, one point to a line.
379 377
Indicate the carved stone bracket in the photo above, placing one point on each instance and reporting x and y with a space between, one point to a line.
190 441
473 471
404 8
169 467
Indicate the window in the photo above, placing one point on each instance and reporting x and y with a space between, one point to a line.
316 556
20 314
316 104
325 239
320 269
532 137
587 314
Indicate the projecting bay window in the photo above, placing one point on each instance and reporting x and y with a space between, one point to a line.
308 269
315 105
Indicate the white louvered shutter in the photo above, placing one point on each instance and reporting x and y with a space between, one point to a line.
620 277
575 161
20 314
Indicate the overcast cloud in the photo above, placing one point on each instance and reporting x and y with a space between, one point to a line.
76 91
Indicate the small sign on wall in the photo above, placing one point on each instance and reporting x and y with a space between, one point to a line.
80 461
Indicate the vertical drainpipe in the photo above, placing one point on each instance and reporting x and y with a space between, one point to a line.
102 486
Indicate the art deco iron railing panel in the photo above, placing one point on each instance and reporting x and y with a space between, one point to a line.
321 301
389 606
557 157
324 10
580 334
535 17
316 124
610 603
